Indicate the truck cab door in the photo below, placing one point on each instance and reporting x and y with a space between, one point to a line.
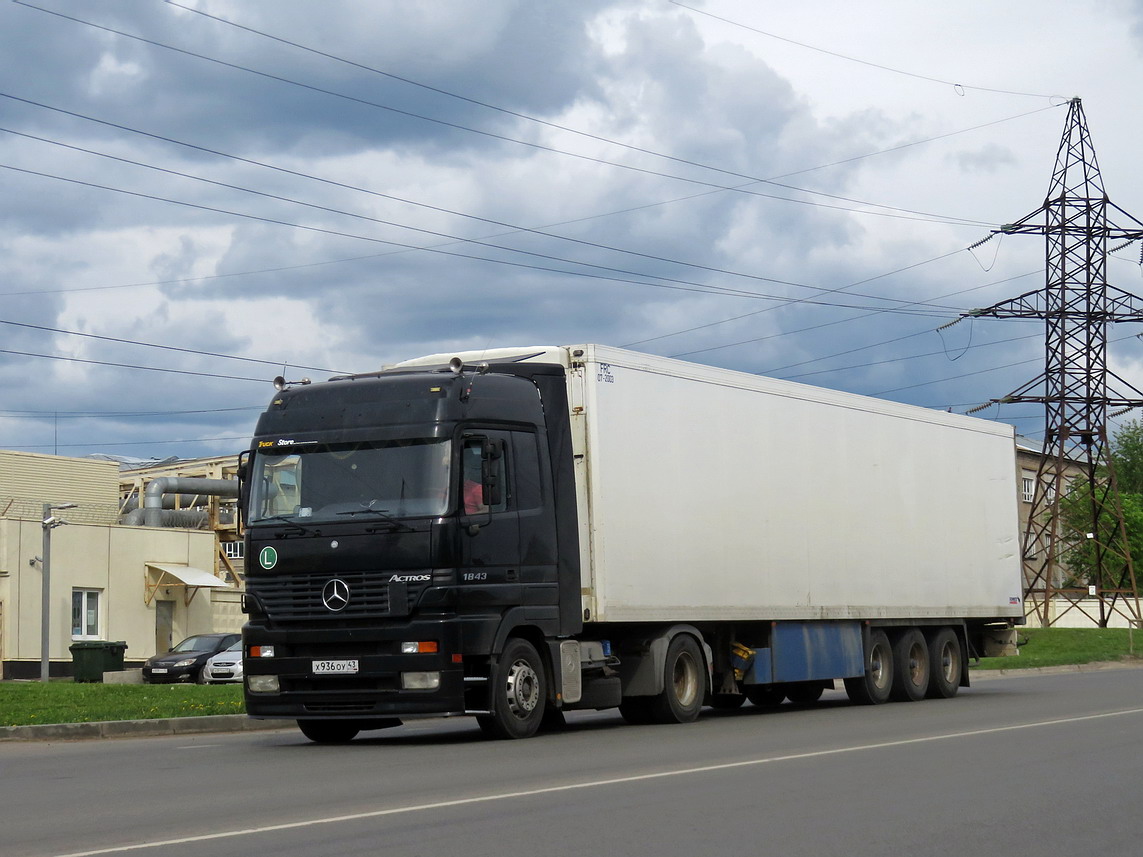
489 519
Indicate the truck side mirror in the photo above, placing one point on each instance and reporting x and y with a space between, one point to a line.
491 452
243 486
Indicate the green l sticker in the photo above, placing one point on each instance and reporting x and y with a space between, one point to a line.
268 558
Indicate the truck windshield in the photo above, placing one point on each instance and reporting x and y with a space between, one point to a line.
327 482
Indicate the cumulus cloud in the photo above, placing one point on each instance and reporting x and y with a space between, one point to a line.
413 178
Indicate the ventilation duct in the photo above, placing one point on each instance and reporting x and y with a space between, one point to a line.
164 493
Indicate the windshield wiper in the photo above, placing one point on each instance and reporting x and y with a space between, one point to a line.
289 521
383 514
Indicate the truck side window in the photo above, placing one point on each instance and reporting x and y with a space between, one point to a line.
471 494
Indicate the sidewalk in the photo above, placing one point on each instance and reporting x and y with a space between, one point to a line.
140 728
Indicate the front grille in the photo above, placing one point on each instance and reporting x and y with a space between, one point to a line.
298 597
332 685
339 707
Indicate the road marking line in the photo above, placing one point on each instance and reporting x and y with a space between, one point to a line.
634 778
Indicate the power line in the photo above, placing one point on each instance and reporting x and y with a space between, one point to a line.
504 138
494 107
163 347
363 190
953 84
972 374
129 366
905 357
671 283
889 341
430 232
243 438
35 415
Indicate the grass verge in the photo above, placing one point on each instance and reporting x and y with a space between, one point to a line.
30 703
1051 647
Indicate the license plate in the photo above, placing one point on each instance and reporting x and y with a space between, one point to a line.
320 667
159 670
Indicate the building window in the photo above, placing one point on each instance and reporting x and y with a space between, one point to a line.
1028 486
234 550
85 614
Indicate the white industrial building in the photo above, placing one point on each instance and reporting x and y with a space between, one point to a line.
147 586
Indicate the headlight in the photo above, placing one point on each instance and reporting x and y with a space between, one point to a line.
187 663
262 683
420 681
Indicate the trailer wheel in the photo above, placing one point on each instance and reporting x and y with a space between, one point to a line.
910 666
805 692
683 683
328 731
873 688
765 695
946 660
519 693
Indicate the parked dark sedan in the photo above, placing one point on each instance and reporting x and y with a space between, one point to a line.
185 661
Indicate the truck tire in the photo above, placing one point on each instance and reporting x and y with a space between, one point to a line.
684 683
519 693
946 660
328 731
910 666
727 701
765 695
804 692
873 688
636 710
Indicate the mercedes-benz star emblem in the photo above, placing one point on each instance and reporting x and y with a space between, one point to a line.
335 595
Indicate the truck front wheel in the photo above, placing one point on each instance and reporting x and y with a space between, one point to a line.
329 731
683 684
519 693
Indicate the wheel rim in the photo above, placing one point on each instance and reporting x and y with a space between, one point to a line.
950 664
917 664
685 679
879 666
523 689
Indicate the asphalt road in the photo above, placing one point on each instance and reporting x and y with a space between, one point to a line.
1049 765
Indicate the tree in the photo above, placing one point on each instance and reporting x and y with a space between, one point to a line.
1127 454
1100 558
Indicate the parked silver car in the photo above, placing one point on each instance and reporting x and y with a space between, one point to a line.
226 666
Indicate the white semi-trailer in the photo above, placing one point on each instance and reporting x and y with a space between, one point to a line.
519 532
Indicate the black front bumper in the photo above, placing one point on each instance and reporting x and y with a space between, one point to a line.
375 689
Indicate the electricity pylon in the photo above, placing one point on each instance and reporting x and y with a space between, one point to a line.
1077 305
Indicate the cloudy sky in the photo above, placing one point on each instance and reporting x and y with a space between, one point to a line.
196 196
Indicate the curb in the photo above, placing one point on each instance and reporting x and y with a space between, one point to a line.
141 728
1098 666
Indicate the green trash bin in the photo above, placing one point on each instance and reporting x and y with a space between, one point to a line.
92 658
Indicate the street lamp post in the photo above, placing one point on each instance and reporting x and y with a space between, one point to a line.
49 522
